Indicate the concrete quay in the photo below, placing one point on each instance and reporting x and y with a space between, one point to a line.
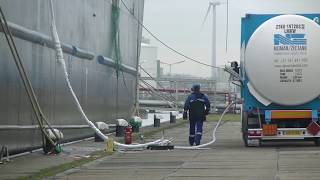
227 159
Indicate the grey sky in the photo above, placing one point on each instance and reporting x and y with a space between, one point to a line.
178 23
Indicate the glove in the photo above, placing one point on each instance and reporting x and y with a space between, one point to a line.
185 115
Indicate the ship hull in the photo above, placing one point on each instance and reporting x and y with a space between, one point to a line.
84 25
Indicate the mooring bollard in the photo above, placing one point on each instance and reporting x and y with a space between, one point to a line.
120 127
156 121
103 127
120 131
172 118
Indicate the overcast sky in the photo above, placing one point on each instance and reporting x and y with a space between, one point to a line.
178 23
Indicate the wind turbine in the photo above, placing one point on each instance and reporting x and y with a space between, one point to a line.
213 5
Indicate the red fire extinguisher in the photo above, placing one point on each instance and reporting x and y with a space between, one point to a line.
128 135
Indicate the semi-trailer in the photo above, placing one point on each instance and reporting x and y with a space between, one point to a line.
279 75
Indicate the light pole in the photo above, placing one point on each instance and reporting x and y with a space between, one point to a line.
170 64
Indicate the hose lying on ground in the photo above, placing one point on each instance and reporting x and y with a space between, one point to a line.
61 60
59 56
213 134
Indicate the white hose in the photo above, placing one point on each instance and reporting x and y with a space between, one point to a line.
61 60
213 134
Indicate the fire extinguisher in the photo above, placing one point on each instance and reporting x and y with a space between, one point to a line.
128 135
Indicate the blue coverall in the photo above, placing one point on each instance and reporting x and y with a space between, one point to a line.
198 106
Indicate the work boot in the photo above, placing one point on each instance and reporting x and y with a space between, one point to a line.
198 139
191 140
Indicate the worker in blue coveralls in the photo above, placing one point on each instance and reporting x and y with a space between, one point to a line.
198 106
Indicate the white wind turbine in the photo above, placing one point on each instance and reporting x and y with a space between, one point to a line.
213 5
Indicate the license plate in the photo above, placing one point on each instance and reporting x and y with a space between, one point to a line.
293 132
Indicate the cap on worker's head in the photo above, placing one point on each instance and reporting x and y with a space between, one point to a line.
195 88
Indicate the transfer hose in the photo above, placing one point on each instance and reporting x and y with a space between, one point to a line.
59 56
213 134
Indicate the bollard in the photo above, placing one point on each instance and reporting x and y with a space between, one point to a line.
135 123
110 145
120 126
172 118
120 131
156 121
103 127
